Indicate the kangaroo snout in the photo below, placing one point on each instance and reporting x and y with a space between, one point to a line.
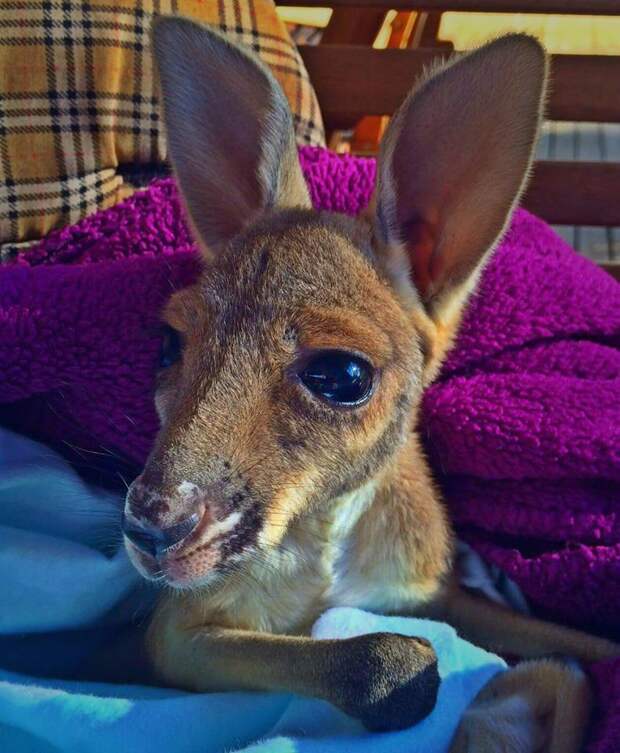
154 502
183 533
161 525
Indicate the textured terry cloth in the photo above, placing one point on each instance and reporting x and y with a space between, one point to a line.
53 528
522 427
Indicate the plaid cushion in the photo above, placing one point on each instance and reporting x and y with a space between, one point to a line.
79 115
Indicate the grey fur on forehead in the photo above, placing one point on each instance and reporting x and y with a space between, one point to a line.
283 250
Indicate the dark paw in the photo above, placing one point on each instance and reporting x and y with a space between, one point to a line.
389 681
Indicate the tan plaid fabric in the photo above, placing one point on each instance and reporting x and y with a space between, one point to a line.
79 115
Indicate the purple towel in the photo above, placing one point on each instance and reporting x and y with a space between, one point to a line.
522 427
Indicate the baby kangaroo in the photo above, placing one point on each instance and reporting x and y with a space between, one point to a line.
287 476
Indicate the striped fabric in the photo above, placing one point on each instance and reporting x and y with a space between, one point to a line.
79 117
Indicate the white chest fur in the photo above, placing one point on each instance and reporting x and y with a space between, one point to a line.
316 566
287 587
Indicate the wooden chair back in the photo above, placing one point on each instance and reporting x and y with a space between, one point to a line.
354 81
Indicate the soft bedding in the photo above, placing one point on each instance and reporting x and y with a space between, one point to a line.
522 427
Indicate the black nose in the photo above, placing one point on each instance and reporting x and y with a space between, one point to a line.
157 541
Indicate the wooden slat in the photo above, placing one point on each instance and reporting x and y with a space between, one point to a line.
613 269
582 7
585 87
593 242
562 147
352 82
426 33
355 81
369 130
353 26
611 151
576 193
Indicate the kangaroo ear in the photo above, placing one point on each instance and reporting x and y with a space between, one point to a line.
452 165
229 130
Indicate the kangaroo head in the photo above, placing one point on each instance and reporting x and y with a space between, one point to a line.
291 372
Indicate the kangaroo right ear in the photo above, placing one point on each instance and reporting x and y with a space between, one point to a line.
229 130
453 163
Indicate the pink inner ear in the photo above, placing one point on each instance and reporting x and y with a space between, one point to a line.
426 266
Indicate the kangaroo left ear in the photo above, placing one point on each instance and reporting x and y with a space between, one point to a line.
229 131
452 165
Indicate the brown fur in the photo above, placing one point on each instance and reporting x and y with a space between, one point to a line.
305 505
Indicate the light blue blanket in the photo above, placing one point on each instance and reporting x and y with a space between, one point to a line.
68 594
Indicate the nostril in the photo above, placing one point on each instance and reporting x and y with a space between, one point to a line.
175 534
144 538
156 541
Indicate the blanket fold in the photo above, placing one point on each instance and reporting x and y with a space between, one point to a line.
522 427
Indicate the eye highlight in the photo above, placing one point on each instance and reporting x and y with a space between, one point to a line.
338 377
170 351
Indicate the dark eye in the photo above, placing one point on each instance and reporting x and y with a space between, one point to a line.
339 377
170 351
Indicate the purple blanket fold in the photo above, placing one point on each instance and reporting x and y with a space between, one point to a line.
522 427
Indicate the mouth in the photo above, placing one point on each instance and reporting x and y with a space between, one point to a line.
182 570
199 560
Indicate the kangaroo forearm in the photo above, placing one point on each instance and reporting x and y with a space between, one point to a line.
213 659
388 681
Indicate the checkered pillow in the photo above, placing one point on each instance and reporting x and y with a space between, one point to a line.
79 116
